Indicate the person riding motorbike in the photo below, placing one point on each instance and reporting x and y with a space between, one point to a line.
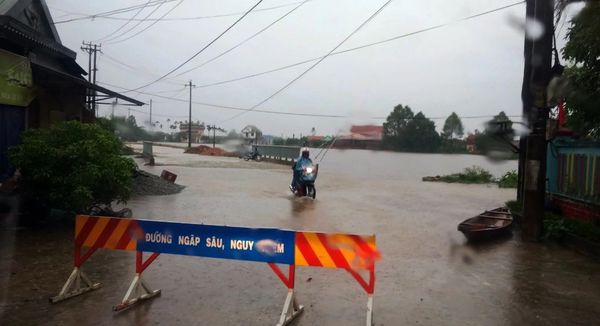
297 168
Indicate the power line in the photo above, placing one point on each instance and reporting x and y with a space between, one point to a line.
137 24
106 14
127 22
314 65
114 61
147 27
244 41
88 16
315 115
201 50
361 46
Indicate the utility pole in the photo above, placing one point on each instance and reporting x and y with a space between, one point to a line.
190 85
536 77
151 122
214 129
92 50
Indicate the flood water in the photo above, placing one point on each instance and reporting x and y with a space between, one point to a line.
426 276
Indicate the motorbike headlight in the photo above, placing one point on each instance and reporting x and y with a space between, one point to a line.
309 170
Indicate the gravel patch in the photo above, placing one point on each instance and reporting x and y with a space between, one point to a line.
147 184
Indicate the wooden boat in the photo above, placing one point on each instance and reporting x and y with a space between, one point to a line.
487 225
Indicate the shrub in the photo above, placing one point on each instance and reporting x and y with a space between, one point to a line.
474 174
509 180
72 166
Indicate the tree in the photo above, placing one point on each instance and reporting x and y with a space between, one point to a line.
72 166
395 127
405 131
453 127
583 50
420 135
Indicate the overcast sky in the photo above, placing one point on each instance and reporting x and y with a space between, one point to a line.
472 67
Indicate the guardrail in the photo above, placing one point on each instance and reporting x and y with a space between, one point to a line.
278 153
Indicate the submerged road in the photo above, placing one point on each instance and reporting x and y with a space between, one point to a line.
426 276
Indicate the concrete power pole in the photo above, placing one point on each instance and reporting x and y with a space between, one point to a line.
151 122
92 50
190 85
536 77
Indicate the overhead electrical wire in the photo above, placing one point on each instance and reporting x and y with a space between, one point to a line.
316 115
147 27
361 46
126 23
334 53
114 61
245 40
113 12
138 23
201 50
373 15
88 16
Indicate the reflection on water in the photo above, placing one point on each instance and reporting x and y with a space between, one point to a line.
302 206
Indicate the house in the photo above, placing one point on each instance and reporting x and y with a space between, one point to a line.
40 82
251 134
361 137
470 140
197 131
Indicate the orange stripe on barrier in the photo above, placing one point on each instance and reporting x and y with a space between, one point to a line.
113 240
299 258
335 250
96 231
131 245
79 223
319 249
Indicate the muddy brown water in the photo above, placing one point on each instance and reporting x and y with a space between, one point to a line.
426 276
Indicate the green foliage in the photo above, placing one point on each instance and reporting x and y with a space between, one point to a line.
405 131
515 206
555 227
583 50
509 180
474 174
72 166
453 127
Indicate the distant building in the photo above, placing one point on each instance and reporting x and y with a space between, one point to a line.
470 140
251 134
361 137
197 131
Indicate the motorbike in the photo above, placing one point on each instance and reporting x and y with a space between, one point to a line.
305 186
253 156
106 210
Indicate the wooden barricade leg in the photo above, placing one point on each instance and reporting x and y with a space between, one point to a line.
73 286
138 289
291 308
369 288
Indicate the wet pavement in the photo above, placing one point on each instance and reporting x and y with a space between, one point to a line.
426 276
